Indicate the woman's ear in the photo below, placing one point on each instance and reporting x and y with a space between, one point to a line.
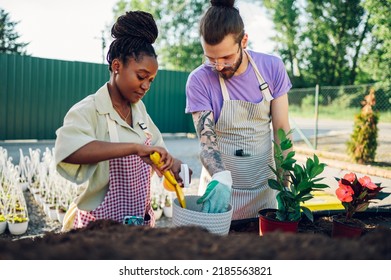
115 65
244 41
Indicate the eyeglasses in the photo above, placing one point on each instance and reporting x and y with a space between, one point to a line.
227 64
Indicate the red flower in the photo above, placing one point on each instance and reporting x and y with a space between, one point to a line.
367 182
344 193
356 194
350 177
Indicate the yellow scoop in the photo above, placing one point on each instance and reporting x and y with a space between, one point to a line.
155 157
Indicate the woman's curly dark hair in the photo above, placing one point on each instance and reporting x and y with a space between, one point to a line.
133 33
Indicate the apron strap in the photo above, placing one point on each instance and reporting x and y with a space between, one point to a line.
263 86
224 89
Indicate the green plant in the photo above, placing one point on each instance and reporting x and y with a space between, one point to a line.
363 141
17 218
2 218
293 182
154 203
167 201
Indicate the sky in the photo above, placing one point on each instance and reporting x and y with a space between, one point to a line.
72 29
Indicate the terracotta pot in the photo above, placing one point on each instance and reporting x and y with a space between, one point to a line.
268 224
342 229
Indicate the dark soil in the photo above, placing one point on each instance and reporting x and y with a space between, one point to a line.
109 240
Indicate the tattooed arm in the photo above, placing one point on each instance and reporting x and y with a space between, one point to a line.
210 155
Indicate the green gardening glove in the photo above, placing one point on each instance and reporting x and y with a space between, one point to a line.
217 196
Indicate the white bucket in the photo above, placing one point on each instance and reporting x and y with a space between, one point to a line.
216 223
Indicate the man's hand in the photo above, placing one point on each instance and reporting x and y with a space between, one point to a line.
217 196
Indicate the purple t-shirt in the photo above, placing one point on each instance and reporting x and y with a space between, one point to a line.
203 92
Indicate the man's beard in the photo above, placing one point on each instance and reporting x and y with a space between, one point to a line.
227 72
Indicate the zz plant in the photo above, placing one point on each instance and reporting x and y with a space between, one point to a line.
293 182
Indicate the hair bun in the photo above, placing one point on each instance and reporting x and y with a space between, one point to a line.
136 24
223 3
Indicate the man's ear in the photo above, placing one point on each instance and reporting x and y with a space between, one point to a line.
244 41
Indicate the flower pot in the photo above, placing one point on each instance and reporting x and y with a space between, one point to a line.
52 213
343 229
23 186
158 213
268 224
216 223
17 228
60 215
3 226
167 211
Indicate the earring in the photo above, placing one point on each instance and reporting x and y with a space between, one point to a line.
116 72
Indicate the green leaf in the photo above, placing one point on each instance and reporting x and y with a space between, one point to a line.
316 170
309 164
362 207
304 185
308 213
275 185
321 186
382 195
286 144
304 192
317 180
363 194
316 159
281 134
305 198
290 155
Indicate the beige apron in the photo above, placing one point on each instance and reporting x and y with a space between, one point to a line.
246 126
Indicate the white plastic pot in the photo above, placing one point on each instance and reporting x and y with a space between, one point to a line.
216 223
17 228
3 226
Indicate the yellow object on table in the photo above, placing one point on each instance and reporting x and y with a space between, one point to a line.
323 201
155 157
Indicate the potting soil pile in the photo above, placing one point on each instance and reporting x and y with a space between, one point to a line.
109 240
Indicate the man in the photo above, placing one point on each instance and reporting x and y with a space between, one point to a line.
233 97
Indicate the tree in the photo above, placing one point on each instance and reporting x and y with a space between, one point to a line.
8 36
377 61
178 43
333 32
285 15
327 38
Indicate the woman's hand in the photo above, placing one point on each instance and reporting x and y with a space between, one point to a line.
176 169
145 151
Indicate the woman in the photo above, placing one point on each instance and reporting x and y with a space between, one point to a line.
106 138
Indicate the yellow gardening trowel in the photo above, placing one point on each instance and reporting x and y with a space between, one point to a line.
170 182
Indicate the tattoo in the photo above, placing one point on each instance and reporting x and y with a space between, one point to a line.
210 155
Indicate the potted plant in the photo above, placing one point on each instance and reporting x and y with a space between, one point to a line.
355 194
167 209
3 223
61 211
156 207
17 223
294 185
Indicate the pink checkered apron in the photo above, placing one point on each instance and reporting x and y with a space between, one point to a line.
129 189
